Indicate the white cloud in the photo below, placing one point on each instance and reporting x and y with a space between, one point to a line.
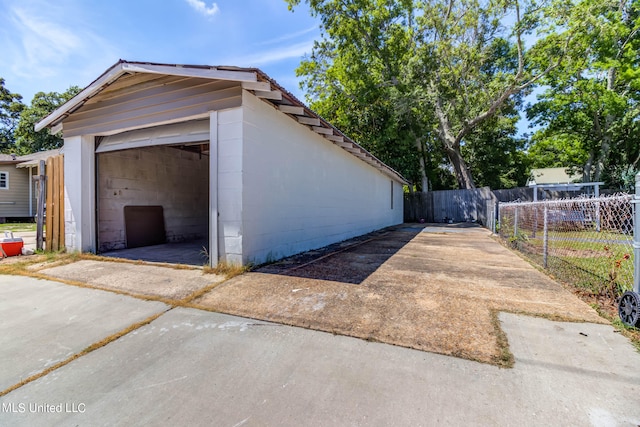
274 55
43 50
44 41
290 36
46 45
201 7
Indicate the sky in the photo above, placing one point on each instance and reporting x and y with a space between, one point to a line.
48 46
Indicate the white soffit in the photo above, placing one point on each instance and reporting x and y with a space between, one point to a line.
179 133
121 68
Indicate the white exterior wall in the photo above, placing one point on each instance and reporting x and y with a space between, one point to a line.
301 191
280 188
230 167
79 193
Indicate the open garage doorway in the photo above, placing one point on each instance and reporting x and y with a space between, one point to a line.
153 202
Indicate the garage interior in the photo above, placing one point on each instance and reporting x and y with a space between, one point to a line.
153 203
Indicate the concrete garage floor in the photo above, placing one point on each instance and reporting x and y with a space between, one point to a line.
187 253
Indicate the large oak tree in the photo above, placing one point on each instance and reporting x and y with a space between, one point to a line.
439 69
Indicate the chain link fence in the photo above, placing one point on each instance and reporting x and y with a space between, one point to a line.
587 241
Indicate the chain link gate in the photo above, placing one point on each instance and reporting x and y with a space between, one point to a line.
629 305
593 243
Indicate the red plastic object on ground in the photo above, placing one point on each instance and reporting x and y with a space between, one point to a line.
11 246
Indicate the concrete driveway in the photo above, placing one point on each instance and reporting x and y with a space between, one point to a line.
437 288
154 364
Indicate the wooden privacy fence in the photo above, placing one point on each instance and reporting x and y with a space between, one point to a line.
52 195
478 205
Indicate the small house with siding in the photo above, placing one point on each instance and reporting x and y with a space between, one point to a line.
18 190
564 182
166 153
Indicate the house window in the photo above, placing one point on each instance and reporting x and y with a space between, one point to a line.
391 194
4 180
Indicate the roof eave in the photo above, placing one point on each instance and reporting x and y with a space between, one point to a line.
123 67
251 79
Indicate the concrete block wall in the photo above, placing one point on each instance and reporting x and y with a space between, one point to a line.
301 192
230 164
79 193
175 179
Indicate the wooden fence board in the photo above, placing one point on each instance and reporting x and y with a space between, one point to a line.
476 205
49 203
54 237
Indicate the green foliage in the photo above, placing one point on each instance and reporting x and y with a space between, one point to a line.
591 107
43 104
495 155
414 79
10 108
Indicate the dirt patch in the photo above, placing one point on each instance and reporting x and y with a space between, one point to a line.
22 259
576 253
137 280
436 289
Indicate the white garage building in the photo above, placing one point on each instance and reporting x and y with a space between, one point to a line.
158 153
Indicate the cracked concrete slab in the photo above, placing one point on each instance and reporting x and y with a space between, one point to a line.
194 367
138 279
43 323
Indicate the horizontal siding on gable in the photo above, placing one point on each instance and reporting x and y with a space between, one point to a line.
14 201
148 102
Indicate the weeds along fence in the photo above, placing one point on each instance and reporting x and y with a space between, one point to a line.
587 241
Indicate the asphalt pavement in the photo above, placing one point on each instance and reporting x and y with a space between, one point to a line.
155 364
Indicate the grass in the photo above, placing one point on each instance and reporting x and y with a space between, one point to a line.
227 269
589 272
585 258
505 358
21 267
18 226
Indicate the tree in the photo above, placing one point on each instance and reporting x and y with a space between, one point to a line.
43 104
496 157
349 84
450 65
592 103
10 107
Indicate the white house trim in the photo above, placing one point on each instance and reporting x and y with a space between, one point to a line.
178 133
80 213
213 189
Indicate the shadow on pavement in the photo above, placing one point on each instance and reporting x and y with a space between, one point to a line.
359 257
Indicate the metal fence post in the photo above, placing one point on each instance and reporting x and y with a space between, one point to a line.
545 239
636 237
515 222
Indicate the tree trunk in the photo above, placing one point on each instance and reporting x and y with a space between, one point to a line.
605 147
423 167
463 175
452 147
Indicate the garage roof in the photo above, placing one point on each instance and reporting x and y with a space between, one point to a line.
251 79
